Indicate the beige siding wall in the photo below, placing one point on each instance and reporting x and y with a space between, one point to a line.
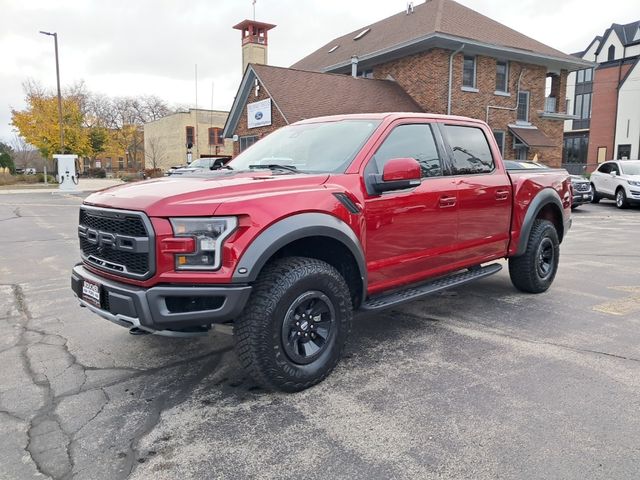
165 139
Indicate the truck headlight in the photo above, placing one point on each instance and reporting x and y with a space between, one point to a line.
208 234
634 183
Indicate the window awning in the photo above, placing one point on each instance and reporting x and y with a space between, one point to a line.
532 137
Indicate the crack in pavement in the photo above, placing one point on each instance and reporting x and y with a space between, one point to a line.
49 446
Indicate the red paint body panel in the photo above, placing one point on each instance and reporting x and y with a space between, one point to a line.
444 224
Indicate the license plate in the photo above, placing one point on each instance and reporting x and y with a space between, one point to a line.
91 292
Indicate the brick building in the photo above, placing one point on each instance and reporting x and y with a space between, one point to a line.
446 57
605 101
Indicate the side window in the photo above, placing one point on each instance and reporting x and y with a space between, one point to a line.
471 151
605 168
615 168
411 141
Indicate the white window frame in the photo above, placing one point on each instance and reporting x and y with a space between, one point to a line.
518 120
506 78
474 87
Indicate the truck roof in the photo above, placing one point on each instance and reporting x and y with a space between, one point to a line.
388 116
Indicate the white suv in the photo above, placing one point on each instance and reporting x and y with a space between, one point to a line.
618 180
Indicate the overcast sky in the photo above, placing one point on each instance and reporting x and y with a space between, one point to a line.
132 47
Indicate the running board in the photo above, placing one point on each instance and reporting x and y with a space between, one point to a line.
410 294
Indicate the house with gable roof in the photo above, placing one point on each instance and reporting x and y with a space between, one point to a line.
437 57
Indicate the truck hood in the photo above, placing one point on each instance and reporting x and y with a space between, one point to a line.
197 195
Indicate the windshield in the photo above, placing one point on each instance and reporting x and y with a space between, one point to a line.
630 167
200 163
327 147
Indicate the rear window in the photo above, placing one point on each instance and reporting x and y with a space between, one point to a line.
471 151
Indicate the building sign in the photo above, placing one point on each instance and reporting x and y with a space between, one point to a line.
259 113
98 164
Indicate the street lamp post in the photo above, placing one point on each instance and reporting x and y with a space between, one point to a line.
55 41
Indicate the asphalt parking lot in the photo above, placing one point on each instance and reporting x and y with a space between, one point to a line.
479 382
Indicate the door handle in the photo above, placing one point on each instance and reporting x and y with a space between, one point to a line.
447 202
502 194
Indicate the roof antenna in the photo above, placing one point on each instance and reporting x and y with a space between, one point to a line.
409 8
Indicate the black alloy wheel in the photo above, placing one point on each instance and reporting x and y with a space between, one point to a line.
308 327
546 256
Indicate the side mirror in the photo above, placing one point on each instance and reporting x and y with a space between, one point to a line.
398 174
614 174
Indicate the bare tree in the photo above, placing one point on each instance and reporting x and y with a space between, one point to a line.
24 155
154 151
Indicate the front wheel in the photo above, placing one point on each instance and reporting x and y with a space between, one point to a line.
596 197
621 198
294 328
534 271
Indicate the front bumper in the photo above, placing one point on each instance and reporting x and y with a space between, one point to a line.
582 198
164 309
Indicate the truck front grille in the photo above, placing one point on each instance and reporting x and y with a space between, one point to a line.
117 241
582 187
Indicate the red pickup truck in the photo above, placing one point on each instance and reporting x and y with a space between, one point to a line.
320 219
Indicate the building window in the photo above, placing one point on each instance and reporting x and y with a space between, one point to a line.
469 72
190 137
107 164
523 107
87 163
120 163
582 108
611 54
502 76
246 142
215 136
499 134
588 75
624 152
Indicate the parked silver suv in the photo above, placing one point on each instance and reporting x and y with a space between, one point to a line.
618 180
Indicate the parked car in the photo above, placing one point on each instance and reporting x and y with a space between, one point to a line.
209 163
580 186
361 213
618 180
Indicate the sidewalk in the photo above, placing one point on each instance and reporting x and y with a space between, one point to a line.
84 186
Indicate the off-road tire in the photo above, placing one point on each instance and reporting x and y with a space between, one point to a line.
259 330
527 271
621 198
596 197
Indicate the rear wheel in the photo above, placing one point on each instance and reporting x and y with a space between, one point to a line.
621 198
535 270
596 197
294 328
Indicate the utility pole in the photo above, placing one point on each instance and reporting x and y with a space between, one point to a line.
55 41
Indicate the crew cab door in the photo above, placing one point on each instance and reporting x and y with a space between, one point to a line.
410 233
484 193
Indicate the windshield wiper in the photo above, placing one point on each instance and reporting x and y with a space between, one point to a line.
275 166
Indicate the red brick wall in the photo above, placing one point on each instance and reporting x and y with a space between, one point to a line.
603 110
277 120
425 76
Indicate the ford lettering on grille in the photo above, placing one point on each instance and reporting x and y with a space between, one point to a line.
116 241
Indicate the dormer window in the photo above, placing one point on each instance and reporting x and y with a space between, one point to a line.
362 34
334 48
637 37
611 54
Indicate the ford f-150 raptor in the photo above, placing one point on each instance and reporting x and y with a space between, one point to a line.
318 220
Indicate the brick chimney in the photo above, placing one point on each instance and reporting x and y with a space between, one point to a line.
254 42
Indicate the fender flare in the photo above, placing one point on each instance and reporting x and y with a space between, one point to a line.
293 228
541 200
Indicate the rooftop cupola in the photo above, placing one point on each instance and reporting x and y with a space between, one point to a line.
254 42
